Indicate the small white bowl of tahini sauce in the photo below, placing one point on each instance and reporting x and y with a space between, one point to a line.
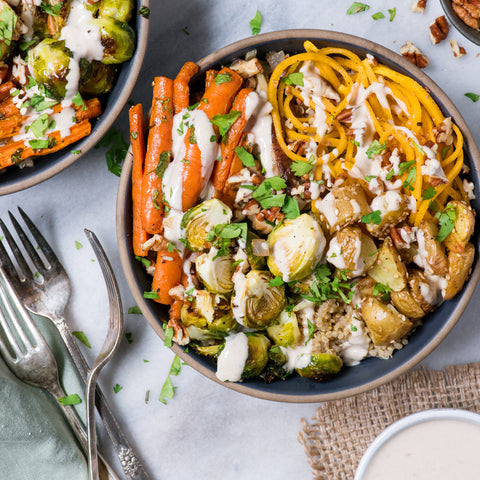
439 444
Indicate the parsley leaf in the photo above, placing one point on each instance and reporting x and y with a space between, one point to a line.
446 221
168 391
40 144
144 12
392 12
78 245
134 310
53 10
369 178
176 366
374 217
383 290
404 166
276 282
245 157
221 236
357 7
256 23
117 388
295 78
311 331
168 337
429 193
129 337
223 78
145 261
224 122
40 125
302 168
376 148
264 192
290 208
410 180
82 337
117 150
73 399
77 100
162 164
151 295
378 16
8 21
472 96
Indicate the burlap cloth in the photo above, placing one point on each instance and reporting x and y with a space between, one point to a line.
341 430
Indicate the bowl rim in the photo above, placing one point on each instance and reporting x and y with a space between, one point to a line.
398 426
468 32
466 294
106 121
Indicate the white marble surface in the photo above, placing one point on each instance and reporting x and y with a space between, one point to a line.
208 431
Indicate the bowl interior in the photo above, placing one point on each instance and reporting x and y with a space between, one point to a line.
14 179
373 371
468 32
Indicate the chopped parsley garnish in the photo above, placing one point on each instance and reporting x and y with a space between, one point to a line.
245 157
40 125
472 96
446 221
185 31
82 337
147 396
357 144
151 295
290 208
404 166
73 399
77 100
256 23
40 103
445 151
144 12
213 138
221 236
78 245
378 16
369 178
193 107
223 78
383 291
373 217
117 150
8 21
134 310
429 193
168 391
24 46
40 144
376 148
357 7
392 12
75 152
53 10
224 122
311 331
295 78
146 262
302 168
117 388
168 337
353 328
176 366
162 164
276 282
264 193
129 337
410 180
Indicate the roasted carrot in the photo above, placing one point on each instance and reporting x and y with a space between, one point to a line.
181 87
159 144
222 169
168 274
139 235
216 100
5 89
92 109
210 77
16 151
228 194
8 108
9 126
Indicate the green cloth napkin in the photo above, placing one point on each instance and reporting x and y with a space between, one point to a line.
36 442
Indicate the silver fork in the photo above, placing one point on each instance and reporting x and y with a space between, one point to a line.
49 299
31 359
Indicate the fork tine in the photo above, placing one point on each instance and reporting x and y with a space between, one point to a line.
7 265
42 243
37 261
5 326
25 270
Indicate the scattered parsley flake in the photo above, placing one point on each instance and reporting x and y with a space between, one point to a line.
376 148
446 221
144 12
151 295
357 7
290 208
410 180
8 22
82 337
75 152
117 388
382 290
295 78
134 310
73 399
472 96
223 78
147 396
378 16
311 331
40 125
41 144
373 217
300 168
168 337
176 366
78 245
117 150
369 178
353 328
145 261
276 282
392 12
429 193
53 10
129 337
445 151
256 23
77 100
245 157
168 391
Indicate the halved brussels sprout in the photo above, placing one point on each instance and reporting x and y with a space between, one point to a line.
343 206
207 316
285 331
199 220
207 350
117 9
393 210
462 226
215 272
263 302
384 322
49 63
256 262
459 265
96 78
389 268
296 247
258 346
118 39
321 366
431 251
352 250
276 366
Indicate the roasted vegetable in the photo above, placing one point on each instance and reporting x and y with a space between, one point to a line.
384 322
215 271
428 294
462 226
199 220
296 247
393 209
10 28
96 78
431 251
353 251
459 265
321 366
256 262
404 302
118 39
285 331
342 207
389 269
117 9
258 346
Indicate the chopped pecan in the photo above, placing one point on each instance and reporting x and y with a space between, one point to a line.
439 30
345 115
251 208
180 333
155 243
457 50
414 55
247 68
418 6
272 214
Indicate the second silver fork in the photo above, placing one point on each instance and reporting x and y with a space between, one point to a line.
49 299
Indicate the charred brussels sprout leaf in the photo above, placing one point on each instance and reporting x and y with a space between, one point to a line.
96 78
117 9
258 346
321 366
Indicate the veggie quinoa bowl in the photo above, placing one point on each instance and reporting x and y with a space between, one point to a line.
66 70
316 263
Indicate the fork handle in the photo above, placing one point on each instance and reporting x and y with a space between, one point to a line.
129 460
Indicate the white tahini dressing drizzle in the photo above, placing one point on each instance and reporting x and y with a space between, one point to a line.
232 358
355 349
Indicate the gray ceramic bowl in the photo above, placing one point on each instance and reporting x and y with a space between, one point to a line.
373 371
468 32
15 179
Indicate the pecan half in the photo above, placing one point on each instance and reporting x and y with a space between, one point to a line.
414 55
439 30
418 6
